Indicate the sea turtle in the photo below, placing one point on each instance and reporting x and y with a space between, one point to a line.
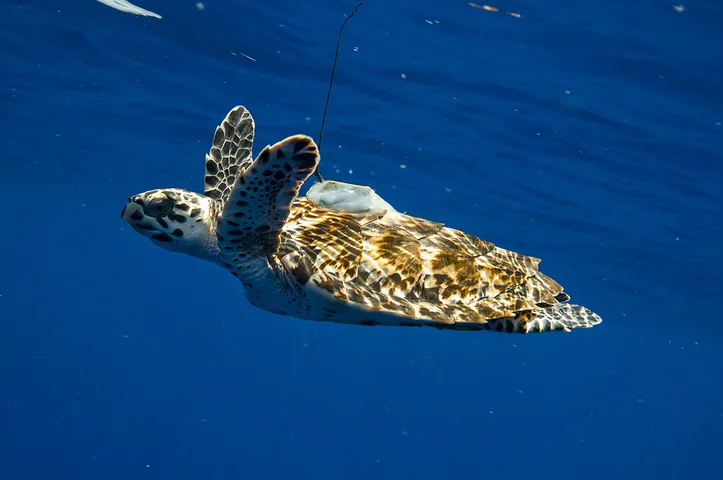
342 254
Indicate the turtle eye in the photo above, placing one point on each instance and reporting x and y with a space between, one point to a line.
159 207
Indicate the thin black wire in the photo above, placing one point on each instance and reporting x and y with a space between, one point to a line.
331 83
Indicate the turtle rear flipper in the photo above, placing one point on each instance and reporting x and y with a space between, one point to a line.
562 317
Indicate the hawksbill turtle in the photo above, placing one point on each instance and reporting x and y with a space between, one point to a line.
341 253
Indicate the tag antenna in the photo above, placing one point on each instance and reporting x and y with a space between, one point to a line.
331 83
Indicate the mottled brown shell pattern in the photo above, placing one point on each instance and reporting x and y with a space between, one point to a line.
422 270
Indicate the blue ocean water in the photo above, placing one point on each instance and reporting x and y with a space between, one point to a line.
585 133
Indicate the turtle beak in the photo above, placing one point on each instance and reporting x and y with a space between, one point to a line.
132 211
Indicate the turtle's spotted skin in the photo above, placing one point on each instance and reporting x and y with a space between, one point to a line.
297 257
176 220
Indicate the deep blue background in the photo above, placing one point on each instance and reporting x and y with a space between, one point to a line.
585 133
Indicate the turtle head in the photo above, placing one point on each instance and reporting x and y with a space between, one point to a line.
176 220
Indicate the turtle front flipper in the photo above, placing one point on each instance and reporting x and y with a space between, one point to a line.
230 153
258 205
